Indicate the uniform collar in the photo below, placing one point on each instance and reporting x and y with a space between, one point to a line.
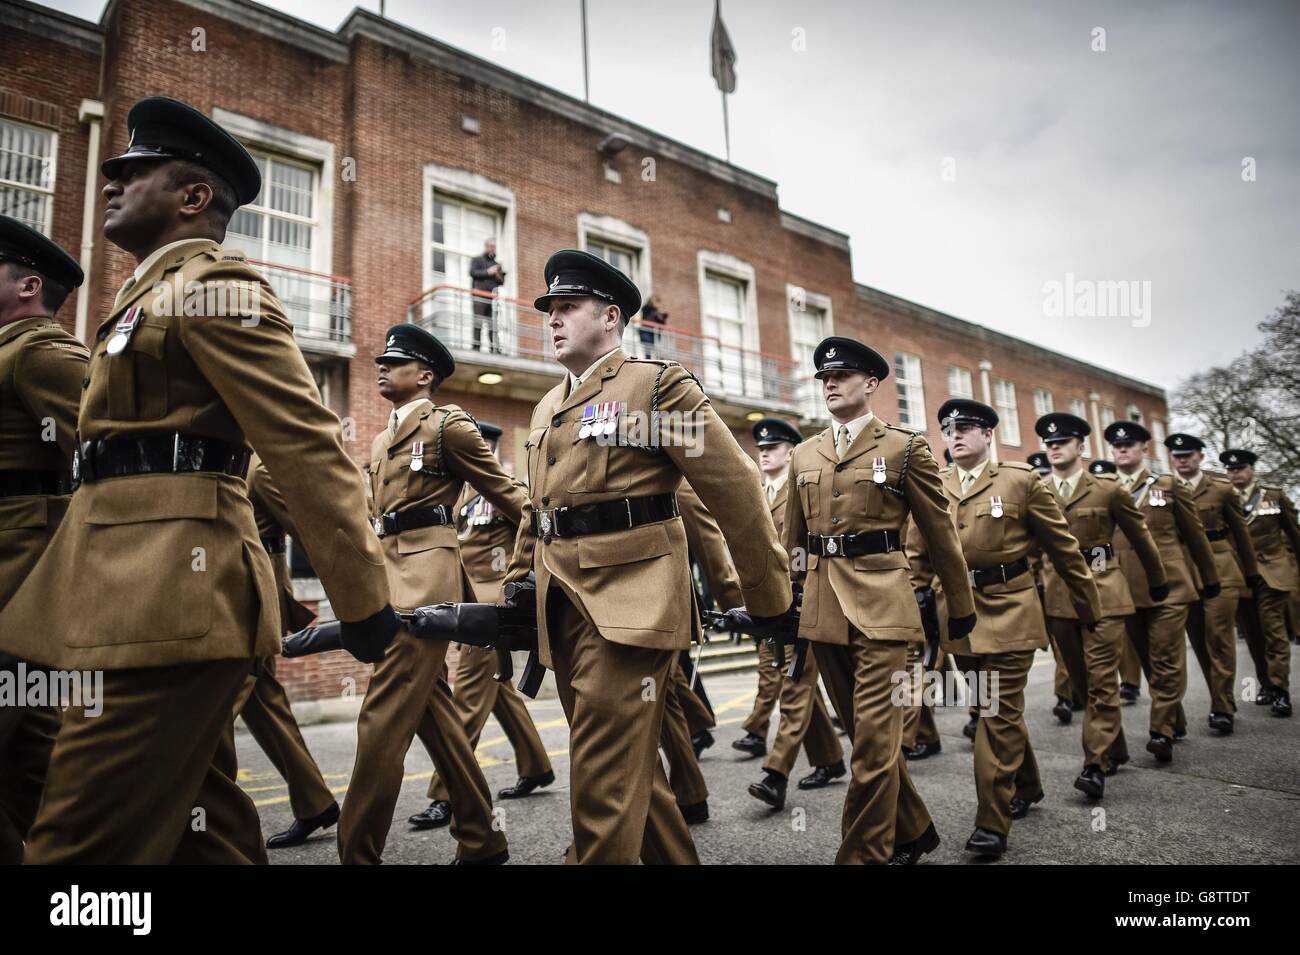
1193 482
974 472
153 257
779 482
406 409
855 427
14 329
1246 492
575 381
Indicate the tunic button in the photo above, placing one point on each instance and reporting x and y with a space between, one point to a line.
961 527
390 455
835 493
551 459
839 467
835 520
546 539
85 383
385 482
555 422
545 501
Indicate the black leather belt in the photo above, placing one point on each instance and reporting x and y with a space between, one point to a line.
1001 574
274 545
621 515
29 483
395 522
1218 534
854 545
1090 553
173 453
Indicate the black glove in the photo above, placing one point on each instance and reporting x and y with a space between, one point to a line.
368 639
1255 582
315 639
1211 591
959 627
924 596
1159 592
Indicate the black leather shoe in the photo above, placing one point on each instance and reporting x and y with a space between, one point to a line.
822 776
1062 711
435 817
501 858
770 789
910 852
297 833
751 743
1221 723
526 784
1020 807
695 813
701 741
1161 747
1281 703
922 750
1180 734
1113 764
971 726
989 845
1129 693
1265 696
1091 782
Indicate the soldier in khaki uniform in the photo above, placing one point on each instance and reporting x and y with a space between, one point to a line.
176 596
803 720
263 703
1002 512
854 486
1211 621
1130 665
487 539
1068 700
1095 507
602 535
1262 615
41 368
419 465
1155 630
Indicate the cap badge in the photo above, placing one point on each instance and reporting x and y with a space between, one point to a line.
1178 441
392 340
1051 427
555 283
1121 433
1232 458
830 352
763 432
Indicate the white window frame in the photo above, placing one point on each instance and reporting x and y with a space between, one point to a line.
961 371
728 266
900 383
613 231
466 186
1134 413
1044 403
280 142
51 172
1007 417
1079 408
807 388
1158 435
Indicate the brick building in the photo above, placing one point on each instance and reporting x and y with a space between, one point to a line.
389 158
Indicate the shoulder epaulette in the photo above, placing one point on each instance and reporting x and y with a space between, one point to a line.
1017 465
1107 477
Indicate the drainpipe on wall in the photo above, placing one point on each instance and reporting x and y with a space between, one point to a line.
1097 444
986 366
92 114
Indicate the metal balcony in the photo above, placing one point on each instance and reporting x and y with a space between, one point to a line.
509 334
319 305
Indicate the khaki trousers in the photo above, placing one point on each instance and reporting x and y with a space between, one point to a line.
1130 664
1156 636
1004 760
1263 623
477 694
1061 684
264 705
803 722
407 695
151 779
769 691
684 773
882 809
1211 628
26 740
918 719
613 697
1093 661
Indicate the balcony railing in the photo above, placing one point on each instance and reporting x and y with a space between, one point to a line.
320 306
478 325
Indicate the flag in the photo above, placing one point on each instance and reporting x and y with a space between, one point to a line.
723 53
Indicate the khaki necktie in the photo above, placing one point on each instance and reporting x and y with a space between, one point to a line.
967 479
1127 481
1065 491
771 493
842 440
392 425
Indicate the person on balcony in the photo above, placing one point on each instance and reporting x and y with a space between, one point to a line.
649 333
487 275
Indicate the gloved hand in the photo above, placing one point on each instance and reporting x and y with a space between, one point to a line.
1255 582
1211 591
959 627
1159 592
314 639
368 639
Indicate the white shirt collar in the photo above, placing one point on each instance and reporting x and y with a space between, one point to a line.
1073 479
576 380
974 472
780 481
1194 481
855 426
407 408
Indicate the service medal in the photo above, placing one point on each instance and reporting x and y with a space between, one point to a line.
588 416
878 470
995 506
417 456
611 425
1157 497
128 323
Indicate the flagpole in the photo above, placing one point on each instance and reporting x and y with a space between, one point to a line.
726 127
586 88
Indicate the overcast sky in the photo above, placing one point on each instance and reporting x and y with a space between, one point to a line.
974 152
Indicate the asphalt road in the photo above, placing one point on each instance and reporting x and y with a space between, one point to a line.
1230 800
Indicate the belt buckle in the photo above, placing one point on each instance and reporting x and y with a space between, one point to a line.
545 521
378 524
829 546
